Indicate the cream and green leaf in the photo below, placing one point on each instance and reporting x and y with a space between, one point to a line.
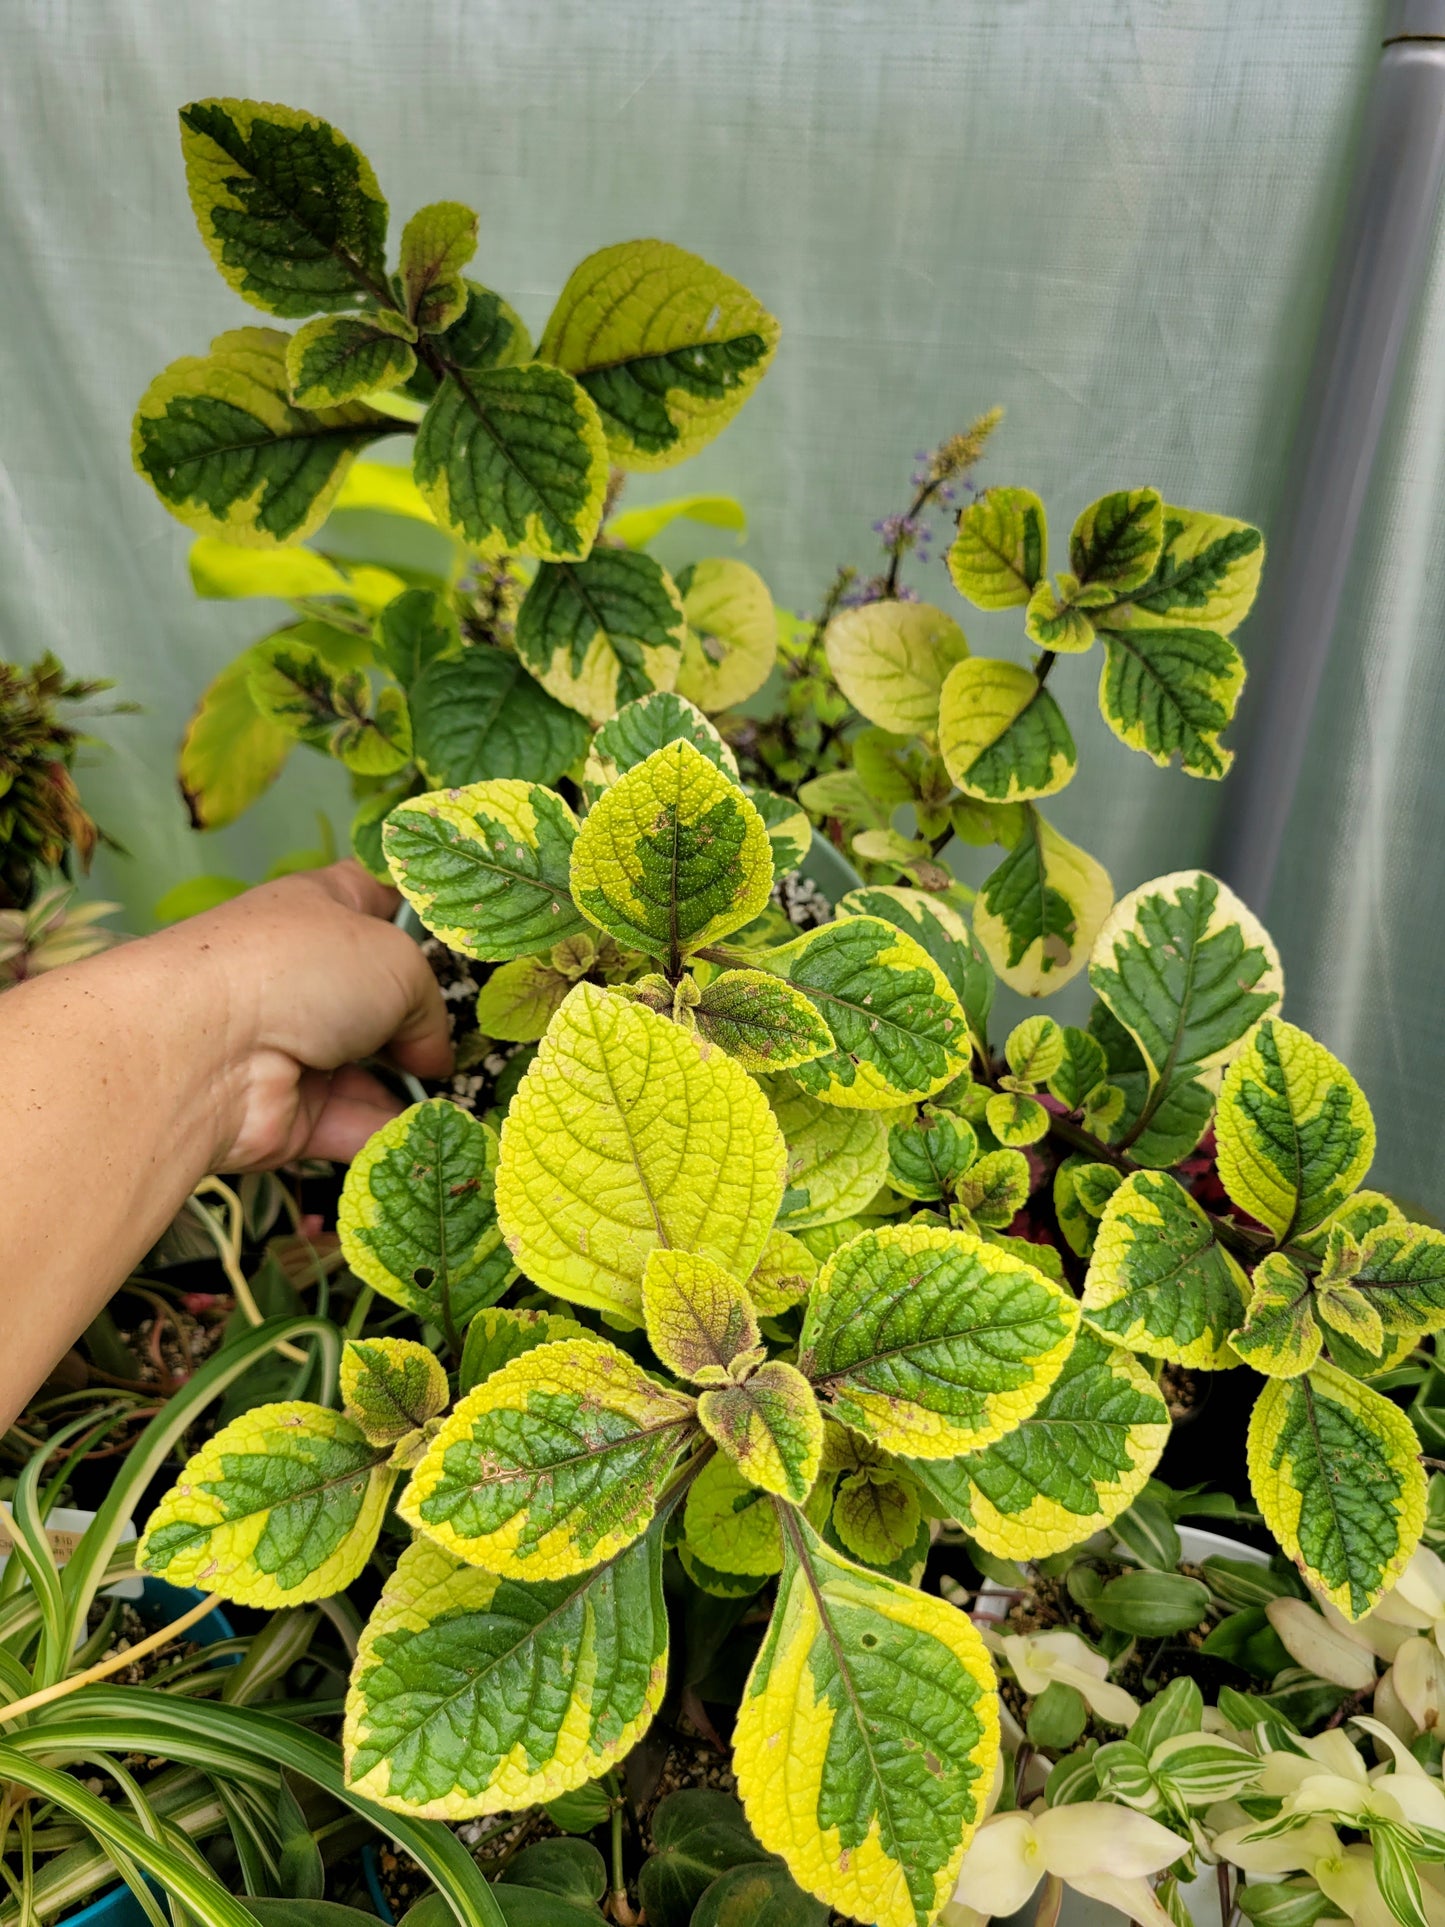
1001 549
1001 734
769 1425
1037 916
837 1160
929 1153
341 358
1170 692
1160 1281
601 632
699 1319
497 1335
891 660
391 1387
768 1025
645 725
731 642
937 927
436 244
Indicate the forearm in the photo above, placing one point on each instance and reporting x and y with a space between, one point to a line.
119 1085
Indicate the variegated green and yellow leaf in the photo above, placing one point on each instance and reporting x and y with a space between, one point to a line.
295 686
479 716
552 1464
1401 1272
1169 692
344 357
995 1188
1038 914
520 998
1116 542
601 632
1078 1461
1016 1120
877 1518
1080 1070
1206 576
642 727
732 633
729 1523
790 831
418 1214
219 440
513 460
668 347
391 1386
672 857
698 1317
1078 1225
1001 548
1001 734
1366 1211
767 1024
770 1426
1034 1049
489 333
281 1506
935 926
475 1694
1160 1282
898 1029
867 1737
230 753
1336 1472
496 1336
890 659
837 1160
486 867
436 244
289 210
1055 621
928 1154
628 1133
931 1342
1295 1133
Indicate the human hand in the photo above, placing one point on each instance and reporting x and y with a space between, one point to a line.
308 974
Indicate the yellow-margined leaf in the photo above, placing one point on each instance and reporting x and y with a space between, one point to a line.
436 244
1002 735
496 1336
770 1426
344 357
642 727
520 998
867 1737
281 1506
1038 914
698 1317
1336 1472
1001 548
1170 691
231 753
890 659
1160 1282
391 1386
766 1024
552 1464
932 1342
732 633
1281 1337
601 632
476 1694
225 571
783 1276
1056 622
1116 541
837 1160
1206 576
628 1133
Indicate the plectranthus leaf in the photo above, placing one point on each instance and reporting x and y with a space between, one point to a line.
474 1694
486 867
289 210
281 1506
770 1426
1034 1049
995 1188
230 753
1281 1336
783 1276
436 244
1295 1133
636 527
729 1523
1177 1119
732 633
391 1386
899 1030
1016 1120
220 441
1001 734
513 460
837 1160
520 998
1335 1470
294 686
766 1024
1206 575
418 1214
928 1154
642 727
890 659
479 715
1001 548
489 333
552 1464
790 832
867 1737
1160 1282
628 1133
878 1520
935 926
1170 692
1116 542
668 347
672 857
1082 1067
496 1336
698 1317
601 632
1079 1460
1039 912
414 628
1055 620
1188 972
931 1342
340 358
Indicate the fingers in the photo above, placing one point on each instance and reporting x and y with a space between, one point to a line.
421 1042
356 888
353 1108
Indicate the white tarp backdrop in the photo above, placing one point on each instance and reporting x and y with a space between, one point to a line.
1115 217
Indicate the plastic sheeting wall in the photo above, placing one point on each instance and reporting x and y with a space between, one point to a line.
1113 216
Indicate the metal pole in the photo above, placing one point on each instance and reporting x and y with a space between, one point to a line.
1378 268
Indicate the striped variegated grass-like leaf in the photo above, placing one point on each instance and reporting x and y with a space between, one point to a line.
601 632
281 1506
1336 1472
770 1426
672 857
1039 912
1160 1282
899 1030
1078 1461
867 1736
552 1464
486 867
890 659
1001 734
474 1694
932 1342
628 1133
